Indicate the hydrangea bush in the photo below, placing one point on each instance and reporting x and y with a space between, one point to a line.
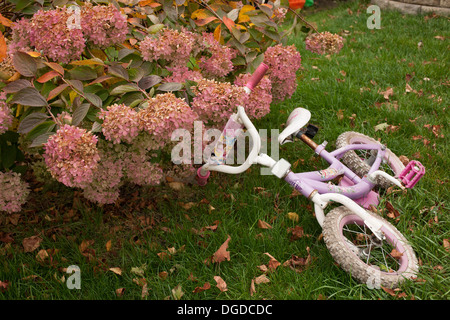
99 89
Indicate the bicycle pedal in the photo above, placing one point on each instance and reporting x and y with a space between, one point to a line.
412 173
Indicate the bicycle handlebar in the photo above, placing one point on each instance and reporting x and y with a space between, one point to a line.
203 172
257 76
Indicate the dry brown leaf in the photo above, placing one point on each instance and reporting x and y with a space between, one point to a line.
32 243
446 245
273 263
42 255
262 279
205 287
4 285
293 216
252 287
221 284
263 225
108 245
120 292
177 292
116 271
297 232
396 254
222 254
387 93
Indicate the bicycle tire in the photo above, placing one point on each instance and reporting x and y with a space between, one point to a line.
348 255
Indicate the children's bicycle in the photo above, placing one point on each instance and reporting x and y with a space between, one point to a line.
364 244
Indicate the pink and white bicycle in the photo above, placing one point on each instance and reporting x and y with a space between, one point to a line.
364 244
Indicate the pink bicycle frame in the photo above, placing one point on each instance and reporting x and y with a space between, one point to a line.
307 183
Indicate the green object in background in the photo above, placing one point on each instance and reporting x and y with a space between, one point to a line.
309 3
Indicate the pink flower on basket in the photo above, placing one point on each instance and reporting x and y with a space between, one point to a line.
171 45
48 33
6 117
283 62
164 114
259 100
324 43
217 62
103 25
216 101
14 192
120 123
71 156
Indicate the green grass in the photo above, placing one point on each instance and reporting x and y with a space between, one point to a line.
372 60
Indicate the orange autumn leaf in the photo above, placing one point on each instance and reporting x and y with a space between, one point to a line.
229 23
222 254
221 284
3 47
5 21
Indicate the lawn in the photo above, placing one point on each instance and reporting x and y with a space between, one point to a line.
157 243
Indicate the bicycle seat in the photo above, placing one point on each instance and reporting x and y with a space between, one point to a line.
298 118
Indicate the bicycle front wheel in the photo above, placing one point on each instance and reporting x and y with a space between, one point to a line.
377 263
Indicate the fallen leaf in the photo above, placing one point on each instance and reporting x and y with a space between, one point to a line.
32 243
221 284
252 287
108 245
4 286
175 185
222 254
273 263
177 292
116 271
264 225
42 255
297 232
293 216
387 93
262 279
381 126
163 275
396 254
446 245
120 292
139 270
205 287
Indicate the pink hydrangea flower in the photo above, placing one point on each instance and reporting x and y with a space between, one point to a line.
182 73
120 123
13 192
164 114
216 101
283 62
19 39
6 117
48 33
103 25
169 44
324 43
217 62
259 100
71 156
141 171
106 182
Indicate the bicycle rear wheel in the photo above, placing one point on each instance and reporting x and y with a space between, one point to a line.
360 161
377 263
